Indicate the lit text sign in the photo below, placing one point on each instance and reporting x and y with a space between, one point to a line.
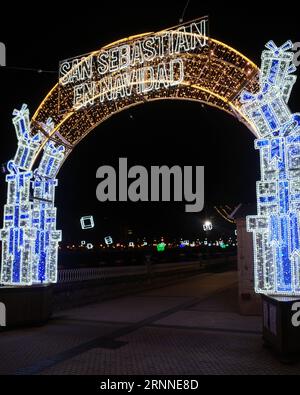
135 66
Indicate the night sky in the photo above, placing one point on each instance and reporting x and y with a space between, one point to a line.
160 133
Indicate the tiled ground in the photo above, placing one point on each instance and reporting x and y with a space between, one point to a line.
178 351
192 327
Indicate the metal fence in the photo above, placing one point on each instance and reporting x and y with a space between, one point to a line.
78 275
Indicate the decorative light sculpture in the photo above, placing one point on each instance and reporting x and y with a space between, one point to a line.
207 226
44 269
29 236
214 74
108 240
87 222
276 226
18 234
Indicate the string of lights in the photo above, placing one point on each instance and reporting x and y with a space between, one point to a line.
184 11
224 215
28 69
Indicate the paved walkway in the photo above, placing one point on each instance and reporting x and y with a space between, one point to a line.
192 327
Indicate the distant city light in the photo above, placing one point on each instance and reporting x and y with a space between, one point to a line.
158 246
223 245
161 247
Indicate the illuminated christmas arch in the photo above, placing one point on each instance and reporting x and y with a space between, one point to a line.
214 75
200 69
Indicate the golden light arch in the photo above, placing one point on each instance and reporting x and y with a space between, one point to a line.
215 75
184 64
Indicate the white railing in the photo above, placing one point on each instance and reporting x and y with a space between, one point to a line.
77 275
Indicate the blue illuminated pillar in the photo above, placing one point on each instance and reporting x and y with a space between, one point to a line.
276 226
17 234
29 236
47 239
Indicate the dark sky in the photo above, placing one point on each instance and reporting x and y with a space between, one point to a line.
161 133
